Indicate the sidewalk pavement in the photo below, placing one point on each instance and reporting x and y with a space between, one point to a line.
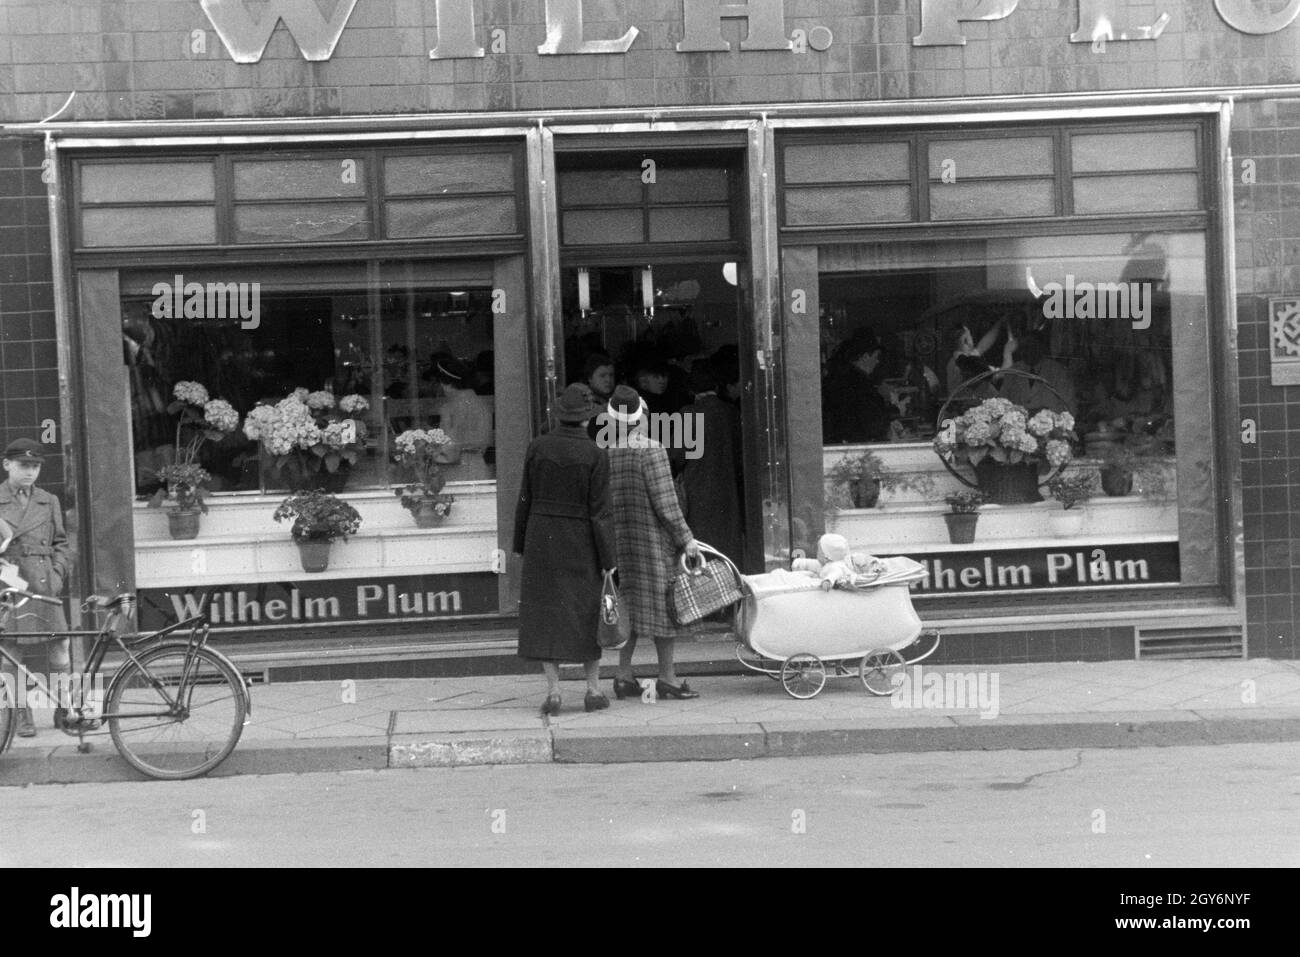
423 722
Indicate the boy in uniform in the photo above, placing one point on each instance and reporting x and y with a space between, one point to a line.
40 550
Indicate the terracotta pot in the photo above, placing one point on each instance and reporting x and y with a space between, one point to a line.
1116 481
1008 484
183 523
865 492
315 555
961 527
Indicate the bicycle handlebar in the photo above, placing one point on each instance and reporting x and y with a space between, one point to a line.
26 594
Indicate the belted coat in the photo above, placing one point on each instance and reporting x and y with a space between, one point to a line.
43 555
564 528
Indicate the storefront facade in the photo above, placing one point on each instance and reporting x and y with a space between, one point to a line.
429 214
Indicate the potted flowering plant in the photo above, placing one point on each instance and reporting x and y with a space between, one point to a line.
961 521
319 519
1006 447
311 439
1071 491
200 419
860 477
418 450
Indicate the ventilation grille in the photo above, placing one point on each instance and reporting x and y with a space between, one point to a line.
1225 641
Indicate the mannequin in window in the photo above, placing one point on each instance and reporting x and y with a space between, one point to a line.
465 416
969 360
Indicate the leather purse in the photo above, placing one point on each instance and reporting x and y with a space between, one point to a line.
699 591
615 625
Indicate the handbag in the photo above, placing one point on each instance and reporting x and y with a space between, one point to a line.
615 625
698 592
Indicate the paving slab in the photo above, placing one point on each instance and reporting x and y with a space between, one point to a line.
470 748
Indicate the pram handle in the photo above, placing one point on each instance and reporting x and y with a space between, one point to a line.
710 550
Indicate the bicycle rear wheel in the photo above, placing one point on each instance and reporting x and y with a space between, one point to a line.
172 726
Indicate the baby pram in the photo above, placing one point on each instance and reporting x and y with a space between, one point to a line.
791 630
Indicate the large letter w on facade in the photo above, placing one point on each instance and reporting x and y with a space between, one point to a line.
246 38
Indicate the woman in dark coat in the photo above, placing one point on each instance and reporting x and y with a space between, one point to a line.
564 528
651 530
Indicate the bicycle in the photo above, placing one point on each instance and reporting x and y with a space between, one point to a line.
174 709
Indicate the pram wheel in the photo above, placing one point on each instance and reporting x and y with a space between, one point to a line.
803 676
878 669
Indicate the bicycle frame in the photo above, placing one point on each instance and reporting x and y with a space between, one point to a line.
103 639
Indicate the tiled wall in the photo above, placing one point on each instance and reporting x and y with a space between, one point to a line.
29 383
130 59
1268 264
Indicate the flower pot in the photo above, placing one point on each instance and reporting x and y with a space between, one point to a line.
1066 522
427 514
183 523
865 492
315 555
1004 484
961 527
1116 481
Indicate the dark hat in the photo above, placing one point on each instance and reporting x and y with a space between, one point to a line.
25 450
861 342
626 404
574 404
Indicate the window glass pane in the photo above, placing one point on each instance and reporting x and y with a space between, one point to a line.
992 200
146 182
301 222
840 162
480 216
600 187
1002 156
299 179
685 224
449 173
688 186
843 205
149 226
1099 152
1148 192
592 226
1113 341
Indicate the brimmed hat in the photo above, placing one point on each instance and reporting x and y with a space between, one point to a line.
25 450
626 405
575 404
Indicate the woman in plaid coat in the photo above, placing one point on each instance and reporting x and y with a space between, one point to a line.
650 531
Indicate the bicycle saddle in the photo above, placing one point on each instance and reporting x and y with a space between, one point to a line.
99 602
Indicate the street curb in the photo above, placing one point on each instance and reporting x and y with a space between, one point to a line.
710 742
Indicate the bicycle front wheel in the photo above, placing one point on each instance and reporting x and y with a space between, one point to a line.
171 721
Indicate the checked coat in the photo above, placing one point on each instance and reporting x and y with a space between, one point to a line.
650 531
41 551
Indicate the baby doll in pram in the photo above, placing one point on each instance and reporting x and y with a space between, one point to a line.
837 567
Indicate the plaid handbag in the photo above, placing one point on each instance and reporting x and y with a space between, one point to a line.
700 591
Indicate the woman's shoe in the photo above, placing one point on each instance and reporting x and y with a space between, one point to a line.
664 690
551 705
595 701
626 689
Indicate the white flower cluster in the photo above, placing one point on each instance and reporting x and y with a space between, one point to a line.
337 435
192 392
999 423
283 427
409 442
221 415
320 400
353 403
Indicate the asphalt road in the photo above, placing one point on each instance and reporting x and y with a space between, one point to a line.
1182 806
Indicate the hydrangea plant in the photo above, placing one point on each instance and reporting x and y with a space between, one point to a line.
1001 430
